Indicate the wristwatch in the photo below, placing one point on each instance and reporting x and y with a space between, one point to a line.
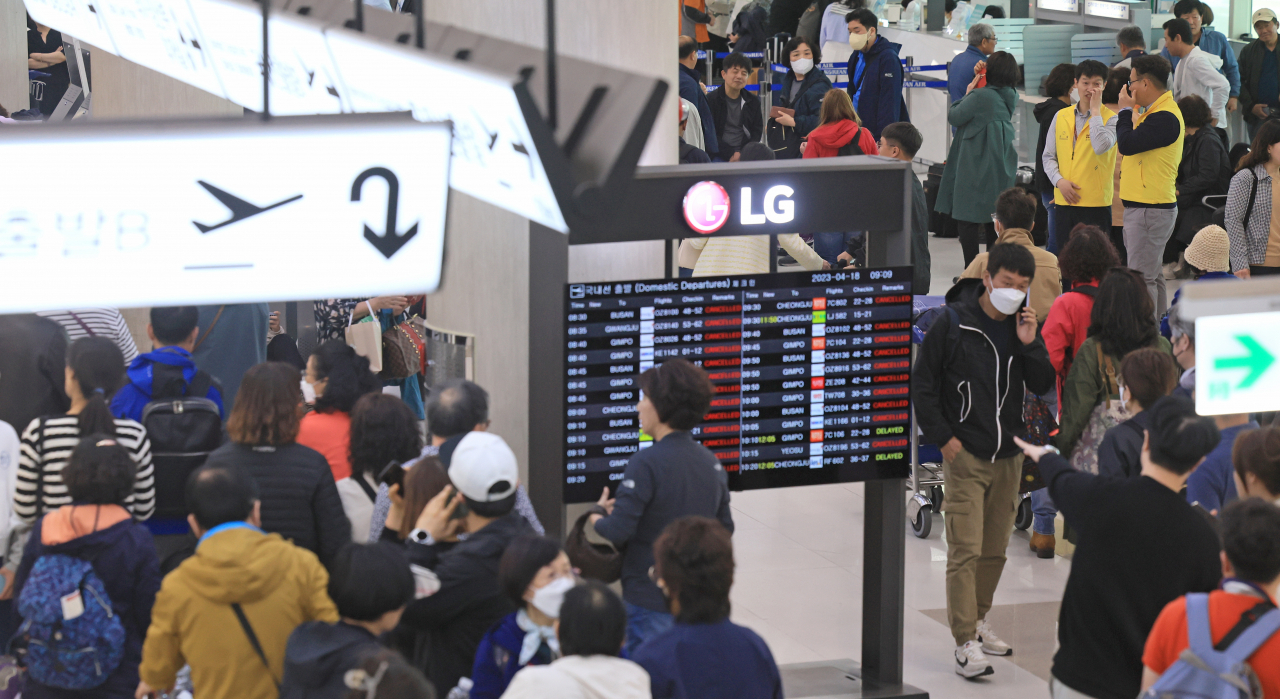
421 536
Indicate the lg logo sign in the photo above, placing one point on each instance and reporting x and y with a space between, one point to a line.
707 207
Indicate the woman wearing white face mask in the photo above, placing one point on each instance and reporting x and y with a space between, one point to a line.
535 574
798 103
1146 375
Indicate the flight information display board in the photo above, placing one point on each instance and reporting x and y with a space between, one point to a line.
812 374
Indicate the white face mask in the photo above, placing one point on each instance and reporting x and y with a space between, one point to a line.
1007 301
308 392
1075 96
548 598
1123 398
858 41
802 66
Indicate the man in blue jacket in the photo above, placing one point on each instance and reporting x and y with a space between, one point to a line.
982 43
173 332
692 91
875 74
1211 42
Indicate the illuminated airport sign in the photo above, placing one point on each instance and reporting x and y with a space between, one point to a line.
216 45
224 211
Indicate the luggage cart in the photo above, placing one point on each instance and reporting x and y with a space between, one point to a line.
925 480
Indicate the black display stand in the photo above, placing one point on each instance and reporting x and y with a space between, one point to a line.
884 546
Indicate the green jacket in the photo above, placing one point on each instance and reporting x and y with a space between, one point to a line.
1251 58
982 162
1083 391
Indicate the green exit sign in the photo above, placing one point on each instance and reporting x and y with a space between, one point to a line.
1236 367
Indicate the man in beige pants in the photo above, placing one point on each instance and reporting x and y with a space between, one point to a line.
968 386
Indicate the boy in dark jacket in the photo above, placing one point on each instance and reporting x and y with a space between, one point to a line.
371 585
875 75
168 370
975 364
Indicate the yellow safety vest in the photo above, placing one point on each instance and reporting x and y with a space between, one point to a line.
1093 173
1150 177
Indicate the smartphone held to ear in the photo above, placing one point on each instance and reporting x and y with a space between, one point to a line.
392 475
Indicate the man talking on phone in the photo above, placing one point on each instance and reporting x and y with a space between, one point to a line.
480 502
968 386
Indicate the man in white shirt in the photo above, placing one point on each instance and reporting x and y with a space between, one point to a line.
1197 70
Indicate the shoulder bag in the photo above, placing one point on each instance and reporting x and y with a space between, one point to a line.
253 641
365 338
1105 415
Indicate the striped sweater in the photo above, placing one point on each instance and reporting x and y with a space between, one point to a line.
96 322
45 451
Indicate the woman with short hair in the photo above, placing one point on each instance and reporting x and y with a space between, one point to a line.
299 499
1256 459
676 477
1146 376
383 430
535 574
705 655
1205 170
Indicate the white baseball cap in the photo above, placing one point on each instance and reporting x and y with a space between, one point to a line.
1263 15
481 462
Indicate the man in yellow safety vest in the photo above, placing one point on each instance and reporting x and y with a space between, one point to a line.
1149 133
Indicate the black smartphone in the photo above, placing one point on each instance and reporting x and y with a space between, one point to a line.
392 475
461 510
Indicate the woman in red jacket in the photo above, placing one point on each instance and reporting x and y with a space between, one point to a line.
839 132
1085 259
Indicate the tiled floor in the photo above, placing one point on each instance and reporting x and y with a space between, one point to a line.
799 585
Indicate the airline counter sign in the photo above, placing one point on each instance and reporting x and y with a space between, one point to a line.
708 206
225 211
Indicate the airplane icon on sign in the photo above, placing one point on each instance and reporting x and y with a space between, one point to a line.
240 209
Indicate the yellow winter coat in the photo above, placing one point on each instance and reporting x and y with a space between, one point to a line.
278 585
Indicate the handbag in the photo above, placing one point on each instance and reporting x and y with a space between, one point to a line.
403 349
601 562
1105 415
783 140
1040 425
365 338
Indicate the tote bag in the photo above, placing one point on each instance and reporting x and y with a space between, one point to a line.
366 338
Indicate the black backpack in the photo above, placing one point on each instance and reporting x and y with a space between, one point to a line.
184 427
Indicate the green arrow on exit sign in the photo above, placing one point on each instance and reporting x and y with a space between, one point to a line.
1257 361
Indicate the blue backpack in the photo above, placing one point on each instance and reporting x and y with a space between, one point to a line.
76 653
1206 671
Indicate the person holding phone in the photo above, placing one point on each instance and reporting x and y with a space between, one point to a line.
384 434
676 477
450 623
967 383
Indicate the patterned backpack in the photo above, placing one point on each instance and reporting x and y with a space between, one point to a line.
74 639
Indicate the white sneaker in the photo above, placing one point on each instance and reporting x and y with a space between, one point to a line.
970 662
991 643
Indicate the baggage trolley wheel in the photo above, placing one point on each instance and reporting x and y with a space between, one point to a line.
935 495
923 522
1025 515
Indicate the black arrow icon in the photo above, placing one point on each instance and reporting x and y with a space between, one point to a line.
240 209
390 242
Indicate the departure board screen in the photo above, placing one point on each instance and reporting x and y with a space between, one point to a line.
812 374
